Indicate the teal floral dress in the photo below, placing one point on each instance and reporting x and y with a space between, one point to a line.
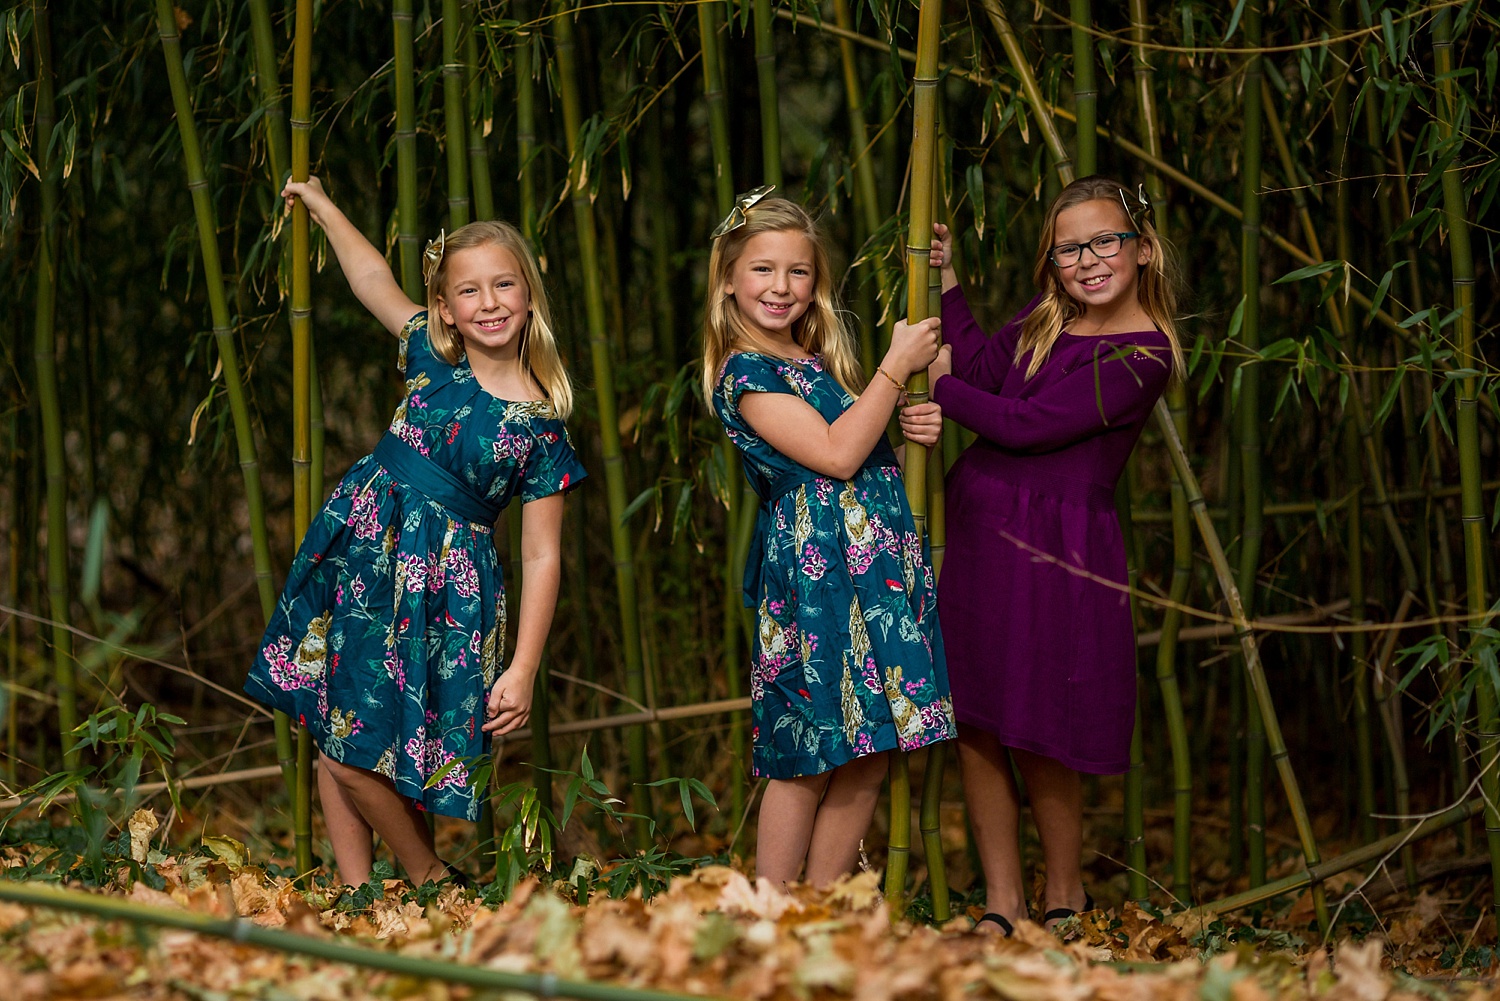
848 657
390 631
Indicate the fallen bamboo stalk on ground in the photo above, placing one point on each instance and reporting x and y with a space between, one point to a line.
245 932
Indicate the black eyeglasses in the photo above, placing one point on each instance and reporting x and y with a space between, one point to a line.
1105 245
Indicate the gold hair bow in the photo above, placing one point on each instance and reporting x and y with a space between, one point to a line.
742 203
433 256
1143 208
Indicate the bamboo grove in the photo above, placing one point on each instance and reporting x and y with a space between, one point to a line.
1312 518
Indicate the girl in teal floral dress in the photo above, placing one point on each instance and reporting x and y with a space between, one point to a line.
387 641
848 659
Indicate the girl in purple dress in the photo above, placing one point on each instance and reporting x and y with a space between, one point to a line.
1035 617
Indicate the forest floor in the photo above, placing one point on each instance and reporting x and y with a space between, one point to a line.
711 931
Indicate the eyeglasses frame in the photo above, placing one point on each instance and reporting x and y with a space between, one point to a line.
1052 254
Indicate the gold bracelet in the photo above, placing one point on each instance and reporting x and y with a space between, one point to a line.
899 388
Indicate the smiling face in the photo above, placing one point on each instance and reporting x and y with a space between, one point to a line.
487 299
1100 283
773 282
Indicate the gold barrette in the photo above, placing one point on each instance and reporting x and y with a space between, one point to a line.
742 203
433 256
1144 208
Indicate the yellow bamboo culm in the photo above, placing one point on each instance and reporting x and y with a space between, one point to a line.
918 252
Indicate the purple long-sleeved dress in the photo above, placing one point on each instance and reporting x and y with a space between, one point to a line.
1041 651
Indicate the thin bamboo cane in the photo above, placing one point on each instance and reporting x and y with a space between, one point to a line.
1314 874
525 74
403 82
1182 530
455 129
609 423
278 156
1251 652
1247 423
1364 786
765 74
1085 90
479 163
931 816
1388 707
302 488
243 931
1040 109
218 304
18 541
1466 423
1137 885
918 266
44 346
1165 168
738 508
866 198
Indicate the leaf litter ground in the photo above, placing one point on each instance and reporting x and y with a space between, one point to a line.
711 932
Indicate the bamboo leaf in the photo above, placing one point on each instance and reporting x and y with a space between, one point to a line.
1234 21
1388 401
93 553
19 153
1311 271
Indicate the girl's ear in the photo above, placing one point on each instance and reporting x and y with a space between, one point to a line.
445 312
1147 251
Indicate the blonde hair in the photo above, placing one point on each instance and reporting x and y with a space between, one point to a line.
1156 283
539 354
820 331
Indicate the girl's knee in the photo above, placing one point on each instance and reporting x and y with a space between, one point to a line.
869 769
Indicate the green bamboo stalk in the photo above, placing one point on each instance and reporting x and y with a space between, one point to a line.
44 347
737 510
1085 90
1182 538
1251 652
218 304
765 74
1137 886
403 82
268 82
526 125
1466 423
18 541
1040 109
302 486
455 129
479 163
609 423
242 931
1248 422
918 266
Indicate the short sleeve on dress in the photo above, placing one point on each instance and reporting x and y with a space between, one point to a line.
551 465
413 337
747 372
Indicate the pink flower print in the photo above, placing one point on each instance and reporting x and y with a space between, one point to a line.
338 595
460 568
776 606
474 641
435 573
357 587
413 570
394 670
283 671
813 564
512 446
430 757
410 434
364 517
823 489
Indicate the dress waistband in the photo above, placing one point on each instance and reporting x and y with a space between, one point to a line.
426 477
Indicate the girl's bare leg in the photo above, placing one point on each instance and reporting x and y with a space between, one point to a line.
351 836
394 817
995 816
1056 794
785 827
843 818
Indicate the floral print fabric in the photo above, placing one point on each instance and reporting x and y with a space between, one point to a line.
848 657
391 628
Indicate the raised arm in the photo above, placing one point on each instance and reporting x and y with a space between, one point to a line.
364 267
797 430
979 359
1117 388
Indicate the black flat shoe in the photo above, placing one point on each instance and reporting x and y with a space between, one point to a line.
1062 913
458 877
1000 921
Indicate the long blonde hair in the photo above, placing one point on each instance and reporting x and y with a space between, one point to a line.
1157 280
539 354
820 331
